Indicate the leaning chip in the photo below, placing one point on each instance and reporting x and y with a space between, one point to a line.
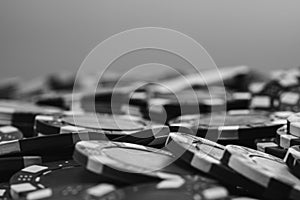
129 162
292 159
265 170
205 155
113 125
181 188
233 125
55 180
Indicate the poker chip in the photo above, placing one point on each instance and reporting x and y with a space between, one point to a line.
286 140
127 161
293 124
44 145
192 101
233 125
292 159
205 156
271 147
8 133
107 100
112 125
55 180
192 187
21 114
263 169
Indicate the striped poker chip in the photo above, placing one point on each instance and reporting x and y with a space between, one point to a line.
126 161
8 133
39 181
233 125
44 145
21 114
292 159
271 147
182 188
265 170
114 126
293 124
286 140
192 100
205 155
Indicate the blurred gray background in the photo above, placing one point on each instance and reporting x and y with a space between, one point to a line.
39 37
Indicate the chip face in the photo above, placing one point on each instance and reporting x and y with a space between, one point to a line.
125 159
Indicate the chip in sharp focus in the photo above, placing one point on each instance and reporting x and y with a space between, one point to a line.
181 188
113 125
293 124
265 170
233 125
54 180
271 147
45 145
205 155
292 159
8 133
130 162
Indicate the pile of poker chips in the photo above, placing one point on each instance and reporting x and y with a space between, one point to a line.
62 141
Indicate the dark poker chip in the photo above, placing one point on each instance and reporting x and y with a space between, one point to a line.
8 133
292 159
114 126
234 124
22 114
181 188
205 156
54 180
265 170
286 140
45 145
192 101
271 147
130 162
